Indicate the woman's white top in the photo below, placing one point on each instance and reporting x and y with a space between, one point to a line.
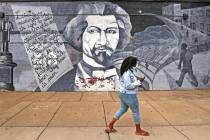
129 83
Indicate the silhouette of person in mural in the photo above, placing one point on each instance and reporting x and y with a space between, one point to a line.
206 78
187 33
2 15
97 35
6 27
186 62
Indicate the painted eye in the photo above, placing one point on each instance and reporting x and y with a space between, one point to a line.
91 31
111 31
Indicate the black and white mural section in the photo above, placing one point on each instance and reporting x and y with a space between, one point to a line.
79 46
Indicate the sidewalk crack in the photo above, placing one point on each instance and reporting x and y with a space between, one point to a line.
15 114
105 119
168 121
49 121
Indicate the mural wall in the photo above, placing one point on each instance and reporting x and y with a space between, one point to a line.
79 46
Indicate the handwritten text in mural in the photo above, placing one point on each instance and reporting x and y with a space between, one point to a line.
43 44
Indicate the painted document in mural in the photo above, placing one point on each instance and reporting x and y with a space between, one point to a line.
44 46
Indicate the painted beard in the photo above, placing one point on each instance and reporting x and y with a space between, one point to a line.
102 55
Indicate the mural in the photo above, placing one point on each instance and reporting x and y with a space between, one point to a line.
79 46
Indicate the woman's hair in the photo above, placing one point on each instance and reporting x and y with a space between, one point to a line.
128 63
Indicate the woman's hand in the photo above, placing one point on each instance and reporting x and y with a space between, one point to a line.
140 78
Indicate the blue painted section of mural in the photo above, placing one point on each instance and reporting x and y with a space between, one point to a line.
79 46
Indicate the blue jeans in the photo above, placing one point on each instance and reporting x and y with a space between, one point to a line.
128 101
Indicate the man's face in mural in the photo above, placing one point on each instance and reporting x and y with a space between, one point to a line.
100 38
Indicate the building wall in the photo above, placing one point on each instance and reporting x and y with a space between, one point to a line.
74 46
197 18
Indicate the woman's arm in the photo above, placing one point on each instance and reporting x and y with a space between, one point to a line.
130 81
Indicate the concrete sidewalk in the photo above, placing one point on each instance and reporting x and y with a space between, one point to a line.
167 115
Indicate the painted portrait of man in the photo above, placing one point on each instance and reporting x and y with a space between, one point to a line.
98 30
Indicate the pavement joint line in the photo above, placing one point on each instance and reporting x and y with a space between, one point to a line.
46 100
23 97
91 101
105 119
79 101
18 101
193 124
104 113
51 97
115 126
204 99
112 97
82 94
15 114
60 101
13 104
159 113
174 126
109 101
199 106
204 124
49 121
19 126
148 97
29 94
60 126
146 94
168 121
75 126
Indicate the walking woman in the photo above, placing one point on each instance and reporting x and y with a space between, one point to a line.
129 84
